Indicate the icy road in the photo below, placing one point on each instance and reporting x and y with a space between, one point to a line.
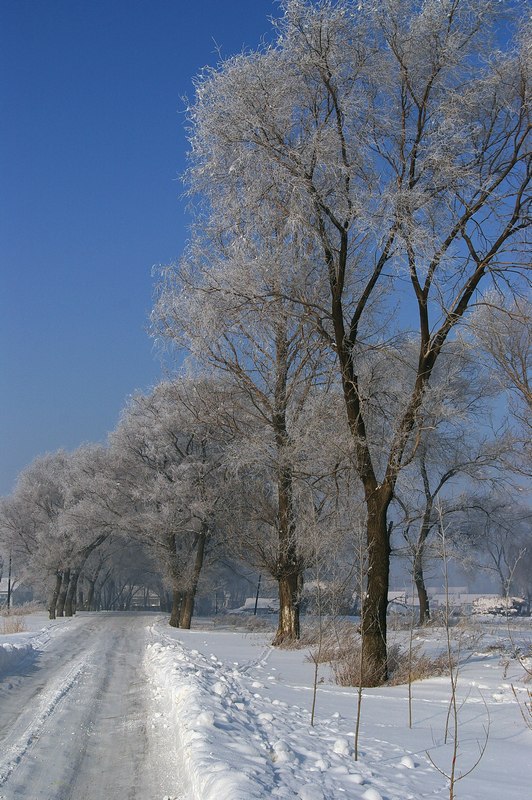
81 721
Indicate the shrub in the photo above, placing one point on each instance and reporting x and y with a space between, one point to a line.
246 622
402 666
498 606
22 610
416 666
14 624
337 636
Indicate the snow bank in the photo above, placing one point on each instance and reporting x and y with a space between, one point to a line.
17 647
210 717
11 655
240 744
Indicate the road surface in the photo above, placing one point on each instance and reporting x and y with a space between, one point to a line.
83 722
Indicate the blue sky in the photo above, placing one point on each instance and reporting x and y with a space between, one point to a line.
92 144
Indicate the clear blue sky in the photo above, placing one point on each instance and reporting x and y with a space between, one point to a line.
92 144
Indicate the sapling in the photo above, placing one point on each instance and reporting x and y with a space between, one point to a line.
453 775
333 577
525 707
362 562
410 647
316 653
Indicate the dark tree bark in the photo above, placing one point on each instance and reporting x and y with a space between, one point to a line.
177 598
187 606
375 603
175 572
423 598
288 570
63 593
289 627
52 603
89 605
417 566
71 593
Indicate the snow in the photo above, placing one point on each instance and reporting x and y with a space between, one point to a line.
11 655
241 710
239 715
17 649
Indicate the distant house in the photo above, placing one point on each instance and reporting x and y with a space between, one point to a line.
19 593
458 598
4 591
265 605
399 597
499 606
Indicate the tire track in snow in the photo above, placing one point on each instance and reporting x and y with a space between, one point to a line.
81 720
14 752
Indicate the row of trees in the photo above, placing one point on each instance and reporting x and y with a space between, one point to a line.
190 486
360 182
356 264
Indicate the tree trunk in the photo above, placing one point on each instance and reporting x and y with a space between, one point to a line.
374 658
289 575
177 597
288 569
288 629
60 608
187 606
419 580
187 609
71 593
90 594
52 604
177 593
373 662
109 596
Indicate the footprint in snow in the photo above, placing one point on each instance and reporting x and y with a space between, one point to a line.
341 747
372 794
311 792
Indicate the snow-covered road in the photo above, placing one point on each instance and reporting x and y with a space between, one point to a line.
81 721
117 706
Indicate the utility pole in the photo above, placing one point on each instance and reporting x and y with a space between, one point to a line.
9 584
257 597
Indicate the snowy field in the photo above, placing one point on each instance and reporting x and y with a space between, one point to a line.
114 705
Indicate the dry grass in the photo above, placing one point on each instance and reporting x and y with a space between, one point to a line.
346 668
401 621
13 624
246 622
417 666
22 611
335 639
403 667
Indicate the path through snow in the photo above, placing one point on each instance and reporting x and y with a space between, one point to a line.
121 707
80 720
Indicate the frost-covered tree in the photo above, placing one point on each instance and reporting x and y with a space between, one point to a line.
456 449
94 513
61 510
504 334
496 528
31 515
397 154
229 303
170 465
